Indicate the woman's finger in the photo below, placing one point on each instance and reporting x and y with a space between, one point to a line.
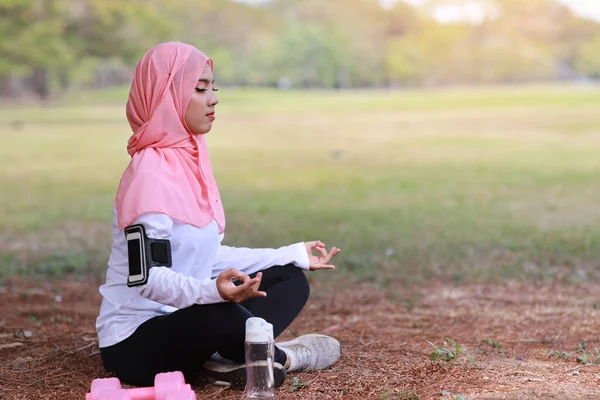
255 292
324 266
231 273
323 251
251 290
314 244
258 281
334 252
247 285
240 292
311 245
328 256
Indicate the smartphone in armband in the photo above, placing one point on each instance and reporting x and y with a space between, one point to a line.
144 253
136 254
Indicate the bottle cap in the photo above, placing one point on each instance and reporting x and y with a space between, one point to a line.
257 330
270 331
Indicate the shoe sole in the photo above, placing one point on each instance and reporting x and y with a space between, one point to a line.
234 376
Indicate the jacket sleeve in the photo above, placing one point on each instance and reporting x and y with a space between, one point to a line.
173 286
249 261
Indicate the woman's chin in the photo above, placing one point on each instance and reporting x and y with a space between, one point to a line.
203 131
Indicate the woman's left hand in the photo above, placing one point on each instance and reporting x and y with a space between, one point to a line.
320 261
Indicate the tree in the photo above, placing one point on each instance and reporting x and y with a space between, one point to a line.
312 43
43 38
31 40
588 57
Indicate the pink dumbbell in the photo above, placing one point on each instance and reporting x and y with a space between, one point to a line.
167 386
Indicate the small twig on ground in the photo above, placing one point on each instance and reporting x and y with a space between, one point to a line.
315 378
82 348
361 341
574 368
331 329
9 345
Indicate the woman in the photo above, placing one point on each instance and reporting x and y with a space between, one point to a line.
172 304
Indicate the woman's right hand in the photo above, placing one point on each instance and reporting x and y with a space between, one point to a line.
247 290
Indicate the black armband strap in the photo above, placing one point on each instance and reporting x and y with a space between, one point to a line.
144 253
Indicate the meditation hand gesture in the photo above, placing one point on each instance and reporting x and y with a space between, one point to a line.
247 290
320 261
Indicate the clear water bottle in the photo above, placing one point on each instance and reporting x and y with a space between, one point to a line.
260 354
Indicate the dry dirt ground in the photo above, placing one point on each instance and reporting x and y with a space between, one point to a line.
48 347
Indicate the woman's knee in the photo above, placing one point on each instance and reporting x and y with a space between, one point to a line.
229 317
300 282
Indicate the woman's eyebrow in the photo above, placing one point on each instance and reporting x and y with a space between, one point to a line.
206 81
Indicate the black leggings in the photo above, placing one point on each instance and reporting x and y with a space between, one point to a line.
186 338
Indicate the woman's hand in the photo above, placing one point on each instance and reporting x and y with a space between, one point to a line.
320 261
247 290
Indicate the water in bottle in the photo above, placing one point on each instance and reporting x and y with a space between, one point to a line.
260 351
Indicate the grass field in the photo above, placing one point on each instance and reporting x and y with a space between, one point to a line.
462 184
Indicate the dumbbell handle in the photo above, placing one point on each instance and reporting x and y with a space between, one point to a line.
149 393
144 393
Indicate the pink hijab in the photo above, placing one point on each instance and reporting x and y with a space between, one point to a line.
170 170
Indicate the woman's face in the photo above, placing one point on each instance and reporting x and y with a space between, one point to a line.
200 112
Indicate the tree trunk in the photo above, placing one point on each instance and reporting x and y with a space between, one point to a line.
40 83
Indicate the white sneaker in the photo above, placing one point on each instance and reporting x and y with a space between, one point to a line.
312 352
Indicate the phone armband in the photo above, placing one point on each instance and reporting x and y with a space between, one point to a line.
144 253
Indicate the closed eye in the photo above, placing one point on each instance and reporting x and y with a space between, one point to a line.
202 90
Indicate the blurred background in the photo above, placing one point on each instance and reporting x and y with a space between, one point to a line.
429 139
49 47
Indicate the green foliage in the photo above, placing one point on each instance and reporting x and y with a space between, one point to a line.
312 55
585 358
297 385
449 354
491 343
588 57
404 60
31 36
583 355
50 39
561 355
311 43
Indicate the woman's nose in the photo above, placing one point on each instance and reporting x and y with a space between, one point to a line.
214 101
